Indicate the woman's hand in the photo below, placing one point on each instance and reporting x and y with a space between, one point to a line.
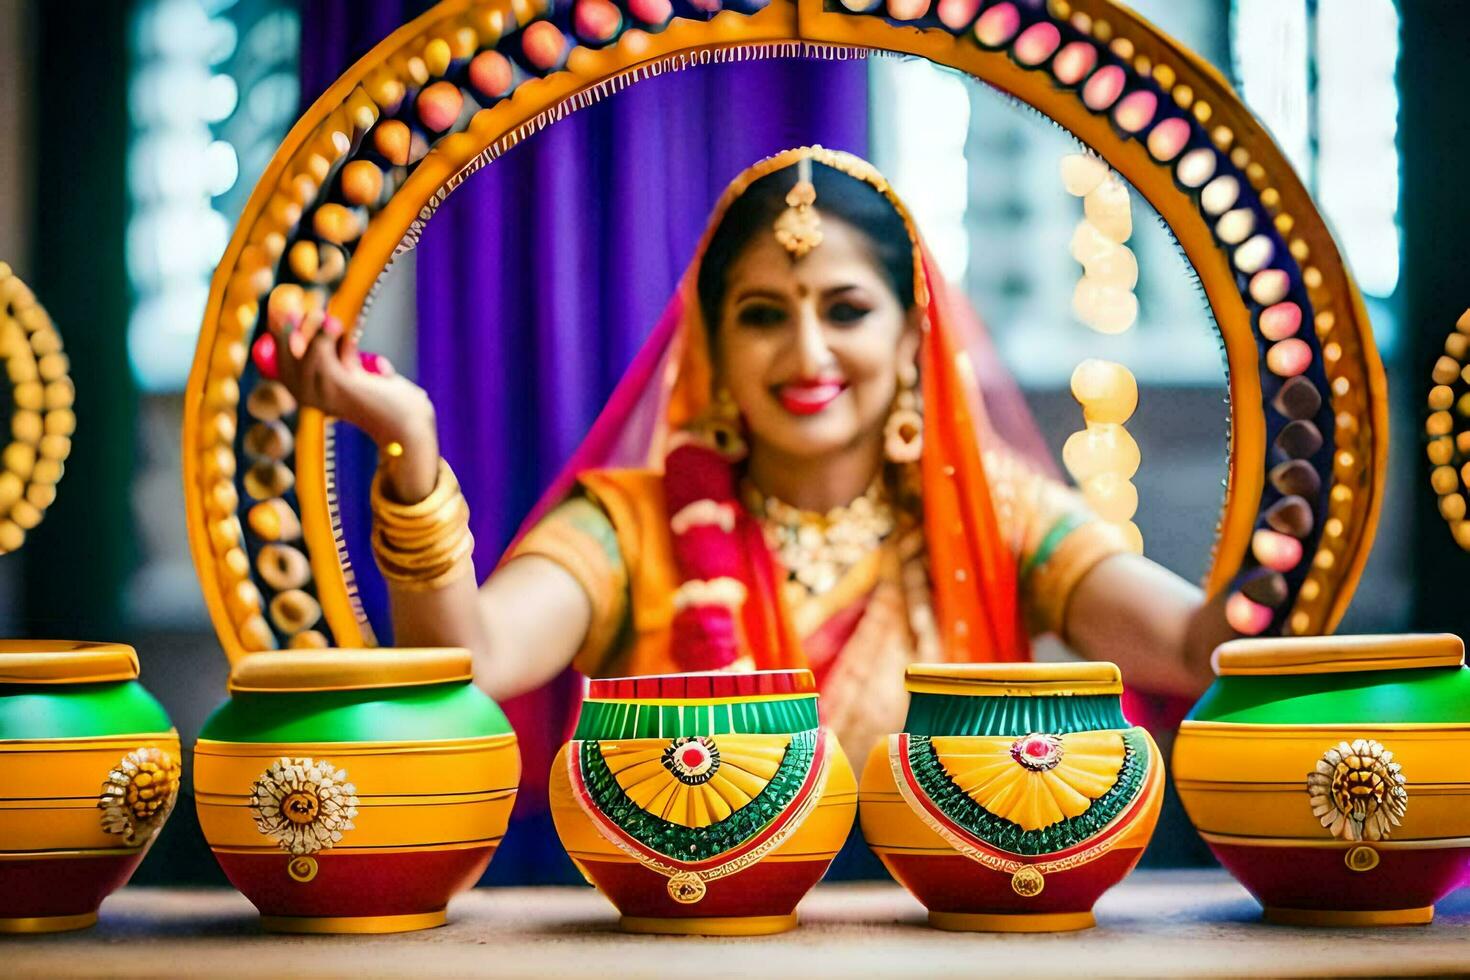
319 363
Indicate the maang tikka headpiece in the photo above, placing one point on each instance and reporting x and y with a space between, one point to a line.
799 228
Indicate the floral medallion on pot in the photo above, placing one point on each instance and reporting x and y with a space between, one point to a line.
1358 791
138 795
304 805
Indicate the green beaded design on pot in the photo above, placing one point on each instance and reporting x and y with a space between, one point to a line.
1005 835
691 844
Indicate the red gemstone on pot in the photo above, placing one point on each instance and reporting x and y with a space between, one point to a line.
692 757
907 9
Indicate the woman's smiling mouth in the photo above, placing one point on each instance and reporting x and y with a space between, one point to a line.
808 397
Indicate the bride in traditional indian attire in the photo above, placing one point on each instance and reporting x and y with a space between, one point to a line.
799 470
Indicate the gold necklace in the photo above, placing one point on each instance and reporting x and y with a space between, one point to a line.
818 549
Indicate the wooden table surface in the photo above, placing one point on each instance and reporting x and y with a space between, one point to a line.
1157 923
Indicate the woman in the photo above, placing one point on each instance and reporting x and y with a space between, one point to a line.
797 471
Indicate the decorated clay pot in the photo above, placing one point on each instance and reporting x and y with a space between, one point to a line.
354 790
1331 775
90 770
703 803
1015 795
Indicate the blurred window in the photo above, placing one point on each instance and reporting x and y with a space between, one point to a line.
212 91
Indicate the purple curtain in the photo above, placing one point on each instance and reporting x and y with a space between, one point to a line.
539 278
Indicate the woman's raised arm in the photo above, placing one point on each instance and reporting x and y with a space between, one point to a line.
524 625
1155 626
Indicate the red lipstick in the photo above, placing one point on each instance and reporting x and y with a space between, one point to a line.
809 396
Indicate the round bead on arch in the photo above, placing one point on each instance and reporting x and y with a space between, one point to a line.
363 170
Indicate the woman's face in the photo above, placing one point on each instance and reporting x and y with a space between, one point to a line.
810 349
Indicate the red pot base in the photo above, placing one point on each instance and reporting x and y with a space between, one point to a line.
767 890
54 894
1314 886
972 897
400 890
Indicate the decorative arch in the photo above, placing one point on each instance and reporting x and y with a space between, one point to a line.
362 171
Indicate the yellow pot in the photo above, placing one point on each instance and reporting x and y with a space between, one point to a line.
1331 774
703 804
1015 795
90 770
355 790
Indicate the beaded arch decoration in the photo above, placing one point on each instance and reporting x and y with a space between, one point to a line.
363 170
1447 429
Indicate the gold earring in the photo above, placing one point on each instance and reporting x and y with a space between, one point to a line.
723 427
903 435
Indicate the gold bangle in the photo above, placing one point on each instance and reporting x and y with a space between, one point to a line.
421 546
431 577
420 537
450 542
446 489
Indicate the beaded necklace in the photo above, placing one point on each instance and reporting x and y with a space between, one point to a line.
817 549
